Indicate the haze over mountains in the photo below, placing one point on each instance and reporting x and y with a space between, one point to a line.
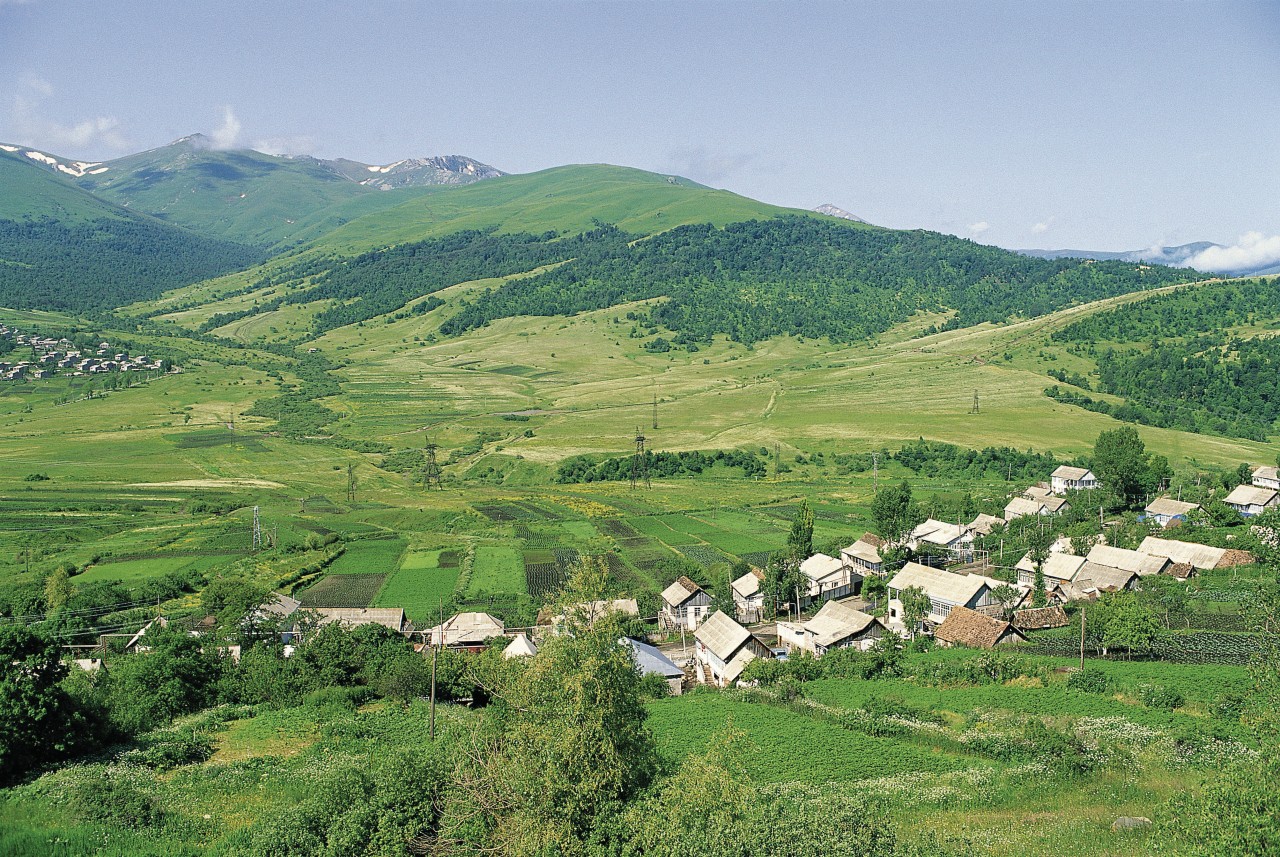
1204 255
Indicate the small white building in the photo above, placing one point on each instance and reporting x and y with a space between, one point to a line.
836 626
828 578
1267 477
1072 479
520 647
651 661
724 648
1251 501
748 597
684 605
955 539
1141 564
1059 569
863 556
945 591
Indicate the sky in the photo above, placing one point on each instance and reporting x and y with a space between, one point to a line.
1099 125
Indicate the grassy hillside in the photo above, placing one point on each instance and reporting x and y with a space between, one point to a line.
32 192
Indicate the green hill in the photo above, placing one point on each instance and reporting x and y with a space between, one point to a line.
32 192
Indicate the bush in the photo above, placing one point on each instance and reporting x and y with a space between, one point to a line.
1156 696
1089 680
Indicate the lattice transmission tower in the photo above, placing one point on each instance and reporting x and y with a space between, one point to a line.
640 462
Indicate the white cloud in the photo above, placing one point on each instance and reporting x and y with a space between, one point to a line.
978 228
302 145
33 128
1252 251
225 136
704 165
1042 227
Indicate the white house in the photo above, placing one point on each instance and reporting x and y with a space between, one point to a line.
1202 557
945 591
984 524
836 626
955 539
1165 511
1072 479
684 605
1251 501
724 648
1267 477
828 578
748 597
466 631
863 556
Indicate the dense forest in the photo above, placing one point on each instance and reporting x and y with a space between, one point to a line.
801 276
1194 374
105 263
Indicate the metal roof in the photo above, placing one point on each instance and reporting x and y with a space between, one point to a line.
1250 495
388 617
748 584
941 585
680 591
650 660
863 550
1135 561
467 629
1169 507
1057 566
1199 556
836 622
1074 474
721 635
820 566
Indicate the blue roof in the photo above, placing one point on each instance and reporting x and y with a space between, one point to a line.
649 660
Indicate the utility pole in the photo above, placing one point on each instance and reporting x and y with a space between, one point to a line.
875 471
257 530
777 459
434 651
431 469
640 462
975 402
655 410
351 482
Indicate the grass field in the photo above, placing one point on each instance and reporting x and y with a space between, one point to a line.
497 570
132 571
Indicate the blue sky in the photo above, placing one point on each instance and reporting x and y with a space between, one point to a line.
1102 125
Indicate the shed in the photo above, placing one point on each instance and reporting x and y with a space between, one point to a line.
1040 618
649 660
1166 511
965 627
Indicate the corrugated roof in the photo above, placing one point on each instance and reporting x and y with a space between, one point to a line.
971 628
937 532
279 605
388 617
863 550
984 523
749 584
1102 577
1265 472
1250 495
1135 561
1199 556
1074 474
467 629
650 660
820 566
1057 566
721 635
942 585
836 622
680 591
1169 507
737 664
1021 507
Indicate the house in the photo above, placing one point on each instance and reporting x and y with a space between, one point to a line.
520 647
945 590
1166 511
863 556
1203 557
466 631
1024 507
1267 477
650 661
1072 479
748 597
1040 618
724 648
1059 568
965 627
828 578
1141 564
984 524
953 538
684 605
353 617
1252 501
836 626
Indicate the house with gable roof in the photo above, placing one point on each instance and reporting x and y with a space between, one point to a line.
724 648
684 605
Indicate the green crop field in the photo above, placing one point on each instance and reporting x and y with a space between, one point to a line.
497 570
132 571
369 556
420 585
346 590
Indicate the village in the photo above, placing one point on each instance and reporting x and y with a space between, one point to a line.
950 594
50 358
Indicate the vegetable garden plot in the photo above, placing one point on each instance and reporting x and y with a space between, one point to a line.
497 571
369 556
342 590
704 556
618 529
496 513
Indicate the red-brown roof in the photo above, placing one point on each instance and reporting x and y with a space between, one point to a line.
970 628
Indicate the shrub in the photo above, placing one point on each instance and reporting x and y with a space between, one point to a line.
1157 696
1089 680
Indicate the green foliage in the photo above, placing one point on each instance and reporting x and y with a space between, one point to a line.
1090 680
150 688
935 459
803 276
660 465
1157 696
1124 467
800 539
38 720
895 512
